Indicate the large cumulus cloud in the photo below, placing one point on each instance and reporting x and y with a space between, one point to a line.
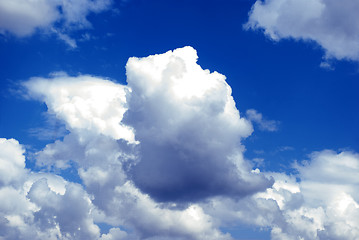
189 130
331 24
172 134
161 158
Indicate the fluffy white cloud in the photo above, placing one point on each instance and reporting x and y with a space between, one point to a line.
161 158
41 206
171 105
12 162
322 205
189 129
334 25
85 103
24 17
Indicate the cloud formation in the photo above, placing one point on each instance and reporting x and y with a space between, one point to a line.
189 130
322 205
171 135
334 25
24 17
38 205
161 158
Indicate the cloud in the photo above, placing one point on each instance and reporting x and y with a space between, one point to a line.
323 204
84 102
264 125
189 129
24 17
331 24
170 105
12 162
38 205
156 161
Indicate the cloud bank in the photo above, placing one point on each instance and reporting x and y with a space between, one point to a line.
161 158
334 25
24 17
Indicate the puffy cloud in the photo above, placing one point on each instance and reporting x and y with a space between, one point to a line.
24 17
159 162
84 103
41 205
183 116
170 105
322 205
331 24
12 162
265 125
189 129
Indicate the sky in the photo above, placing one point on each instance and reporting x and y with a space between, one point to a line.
193 119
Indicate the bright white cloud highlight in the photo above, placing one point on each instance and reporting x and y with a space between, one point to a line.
24 17
85 102
334 25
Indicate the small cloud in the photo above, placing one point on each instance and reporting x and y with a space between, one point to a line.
259 152
264 125
259 162
285 148
327 66
67 39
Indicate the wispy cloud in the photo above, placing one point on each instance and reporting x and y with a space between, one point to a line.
264 125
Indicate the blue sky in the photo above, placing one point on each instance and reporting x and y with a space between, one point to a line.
154 147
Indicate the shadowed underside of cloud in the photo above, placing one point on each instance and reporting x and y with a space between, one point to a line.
161 158
334 25
24 17
189 130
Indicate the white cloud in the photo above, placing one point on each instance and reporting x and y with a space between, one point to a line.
171 105
41 205
265 125
85 102
24 17
334 25
12 162
189 129
132 145
322 205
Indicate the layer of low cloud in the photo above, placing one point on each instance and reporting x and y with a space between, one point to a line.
24 17
174 126
334 25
